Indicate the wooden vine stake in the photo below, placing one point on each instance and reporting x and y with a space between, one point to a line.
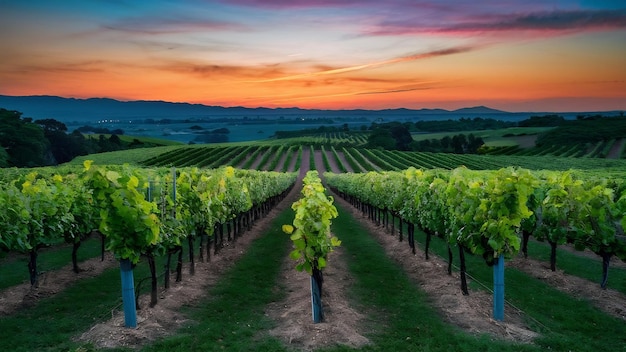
311 236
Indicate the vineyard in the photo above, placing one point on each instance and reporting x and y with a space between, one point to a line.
600 149
282 158
195 206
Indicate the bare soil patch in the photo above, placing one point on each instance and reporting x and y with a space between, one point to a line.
616 148
334 166
319 162
527 141
257 160
344 161
50 283
341 323
294 160
281 162
244 161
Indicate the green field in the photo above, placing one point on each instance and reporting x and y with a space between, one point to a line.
490 136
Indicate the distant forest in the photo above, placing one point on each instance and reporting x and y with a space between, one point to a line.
29 143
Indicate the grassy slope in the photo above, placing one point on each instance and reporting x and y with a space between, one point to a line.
132 156
147 140
500 137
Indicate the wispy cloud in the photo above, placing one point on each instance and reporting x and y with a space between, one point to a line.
296 3
334 71
396 90
549 21
208 70
296 98
557 21
84 66
171 25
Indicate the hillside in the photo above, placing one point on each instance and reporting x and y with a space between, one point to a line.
95 109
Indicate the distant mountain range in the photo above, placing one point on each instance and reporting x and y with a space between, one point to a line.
91 110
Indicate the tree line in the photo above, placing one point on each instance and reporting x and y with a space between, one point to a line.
25 142
397 136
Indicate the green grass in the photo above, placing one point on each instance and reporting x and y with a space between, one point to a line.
577 265
137 155
147 140
14 269
51 324
485 134
131 156
565 323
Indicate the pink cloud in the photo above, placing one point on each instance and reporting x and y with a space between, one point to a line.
297 3
550 21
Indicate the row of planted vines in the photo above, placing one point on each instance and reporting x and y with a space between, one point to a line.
494 213
350 159
140 212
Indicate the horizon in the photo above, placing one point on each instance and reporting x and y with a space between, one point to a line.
322 109
518 56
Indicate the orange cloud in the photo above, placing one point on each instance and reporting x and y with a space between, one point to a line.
443 52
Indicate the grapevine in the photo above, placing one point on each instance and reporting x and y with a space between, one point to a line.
311 235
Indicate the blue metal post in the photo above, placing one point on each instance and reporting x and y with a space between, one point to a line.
498 289
316 301
128 294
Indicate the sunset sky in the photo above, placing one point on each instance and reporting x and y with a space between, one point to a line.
514 55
